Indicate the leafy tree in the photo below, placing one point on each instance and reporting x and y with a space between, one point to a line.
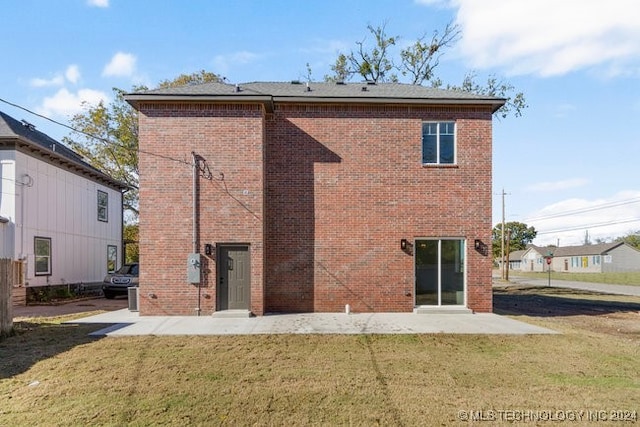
420 59
341 70
632 239
130 235
417 63
196 78
494 87
107 136
521 235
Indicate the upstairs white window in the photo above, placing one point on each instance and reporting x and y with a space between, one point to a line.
438 143
103 206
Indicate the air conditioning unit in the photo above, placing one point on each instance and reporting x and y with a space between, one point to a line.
133 298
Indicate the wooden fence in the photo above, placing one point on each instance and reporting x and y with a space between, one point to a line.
7 277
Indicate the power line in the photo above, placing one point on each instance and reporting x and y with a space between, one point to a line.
588 226
585 210
103 140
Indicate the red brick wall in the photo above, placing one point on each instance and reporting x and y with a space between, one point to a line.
342 186
346 184
230 139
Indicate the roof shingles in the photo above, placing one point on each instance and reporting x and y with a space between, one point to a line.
12 130
318 92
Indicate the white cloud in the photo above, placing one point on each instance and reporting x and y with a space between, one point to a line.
121 65
57 80
550 37
65 103
558 185
72 74
223 63
98 3
567 221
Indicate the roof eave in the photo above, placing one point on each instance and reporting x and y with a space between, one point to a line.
136 99
268 101
496 104
24 143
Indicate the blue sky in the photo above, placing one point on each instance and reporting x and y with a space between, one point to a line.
569 165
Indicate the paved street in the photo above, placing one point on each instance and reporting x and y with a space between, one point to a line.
595 287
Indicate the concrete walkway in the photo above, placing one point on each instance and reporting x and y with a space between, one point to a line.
595 287
126 323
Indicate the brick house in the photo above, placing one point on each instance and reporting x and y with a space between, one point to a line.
309 198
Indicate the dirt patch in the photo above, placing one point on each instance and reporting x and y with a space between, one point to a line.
591 311
70 307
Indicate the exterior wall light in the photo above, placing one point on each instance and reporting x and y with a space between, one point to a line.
481 247
403 244
208 249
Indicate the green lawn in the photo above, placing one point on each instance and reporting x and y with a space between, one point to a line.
612 278
54 374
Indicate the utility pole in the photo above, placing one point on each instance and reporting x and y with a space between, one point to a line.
502 271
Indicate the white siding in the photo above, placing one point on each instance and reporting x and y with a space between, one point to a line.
623 258
533 261
7 202
63 206
578 264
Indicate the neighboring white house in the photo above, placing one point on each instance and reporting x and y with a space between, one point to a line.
58 215
598 258
515 260
533 258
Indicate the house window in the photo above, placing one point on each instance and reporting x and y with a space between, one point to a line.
438 143
42 250
112 258
439 270
103 206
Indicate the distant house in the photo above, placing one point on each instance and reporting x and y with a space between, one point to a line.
515 259
534 258
311 198
60 218
598 258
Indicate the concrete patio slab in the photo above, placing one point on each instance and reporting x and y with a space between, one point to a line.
127 323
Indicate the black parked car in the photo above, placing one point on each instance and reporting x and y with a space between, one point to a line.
118 283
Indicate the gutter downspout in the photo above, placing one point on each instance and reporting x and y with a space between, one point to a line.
23 196
122 244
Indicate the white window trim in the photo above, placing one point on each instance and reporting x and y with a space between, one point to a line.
455 143
464 266
115 261
36 256
106 211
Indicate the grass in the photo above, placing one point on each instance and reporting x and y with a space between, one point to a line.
55 374
628 278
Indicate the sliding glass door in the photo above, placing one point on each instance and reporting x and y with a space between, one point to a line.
440 272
